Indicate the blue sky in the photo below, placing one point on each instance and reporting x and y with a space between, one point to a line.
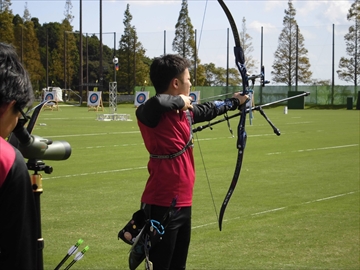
152 18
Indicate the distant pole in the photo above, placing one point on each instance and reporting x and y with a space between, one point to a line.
22 44
261 57
297 58
134 71
81 56
333 66
195 59
356 53
227 60
101 51
114 56
47 57
64 59
87 63
164 42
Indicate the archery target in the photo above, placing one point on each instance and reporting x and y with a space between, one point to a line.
94 98
141 97
49 96
195 96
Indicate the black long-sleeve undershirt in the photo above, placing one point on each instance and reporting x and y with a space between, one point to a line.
150 112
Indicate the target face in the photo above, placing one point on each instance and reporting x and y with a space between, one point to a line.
194 97
94 98
141 98
49 96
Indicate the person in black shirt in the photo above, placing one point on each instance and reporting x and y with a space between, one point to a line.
18 214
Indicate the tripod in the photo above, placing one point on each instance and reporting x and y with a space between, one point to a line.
36 181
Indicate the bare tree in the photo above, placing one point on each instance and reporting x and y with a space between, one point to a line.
133 71
349 67
291 63
248 48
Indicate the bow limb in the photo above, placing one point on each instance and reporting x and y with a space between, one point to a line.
241 141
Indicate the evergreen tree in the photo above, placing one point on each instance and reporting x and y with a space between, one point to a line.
48 35
184 41
184 44
6 26
18 26
290 42
248 48
216 76
27 46
68 13
350 67
68 55
234 78
132 69
65 52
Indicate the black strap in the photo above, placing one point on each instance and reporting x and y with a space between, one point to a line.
190 143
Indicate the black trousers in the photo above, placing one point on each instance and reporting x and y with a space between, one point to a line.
171 252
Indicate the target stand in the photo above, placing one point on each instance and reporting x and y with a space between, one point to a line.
51 105
95 102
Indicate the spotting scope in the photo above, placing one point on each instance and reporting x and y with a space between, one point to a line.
36 147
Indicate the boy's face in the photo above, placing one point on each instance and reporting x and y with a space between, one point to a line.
184 84
9 117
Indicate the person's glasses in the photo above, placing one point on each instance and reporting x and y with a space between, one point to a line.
24 118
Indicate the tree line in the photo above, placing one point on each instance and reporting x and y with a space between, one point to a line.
50 52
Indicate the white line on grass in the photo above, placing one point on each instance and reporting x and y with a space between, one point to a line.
93 134
279 209
93 173
268 211
297 123
316 149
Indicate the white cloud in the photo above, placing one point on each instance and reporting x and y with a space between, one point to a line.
270 28
337 11
275 5
152 3
322 12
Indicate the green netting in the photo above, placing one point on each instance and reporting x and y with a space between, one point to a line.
319 95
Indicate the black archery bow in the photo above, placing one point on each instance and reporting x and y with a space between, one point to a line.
241 141
242 136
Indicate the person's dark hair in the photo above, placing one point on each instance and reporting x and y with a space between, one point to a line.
15 83
164 69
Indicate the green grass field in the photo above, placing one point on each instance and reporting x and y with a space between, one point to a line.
296 204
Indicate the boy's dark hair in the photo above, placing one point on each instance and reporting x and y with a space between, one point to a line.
14 80
164 69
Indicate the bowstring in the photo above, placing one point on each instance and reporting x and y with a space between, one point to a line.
202 24
197 138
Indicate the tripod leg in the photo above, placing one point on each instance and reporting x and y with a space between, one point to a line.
36 180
